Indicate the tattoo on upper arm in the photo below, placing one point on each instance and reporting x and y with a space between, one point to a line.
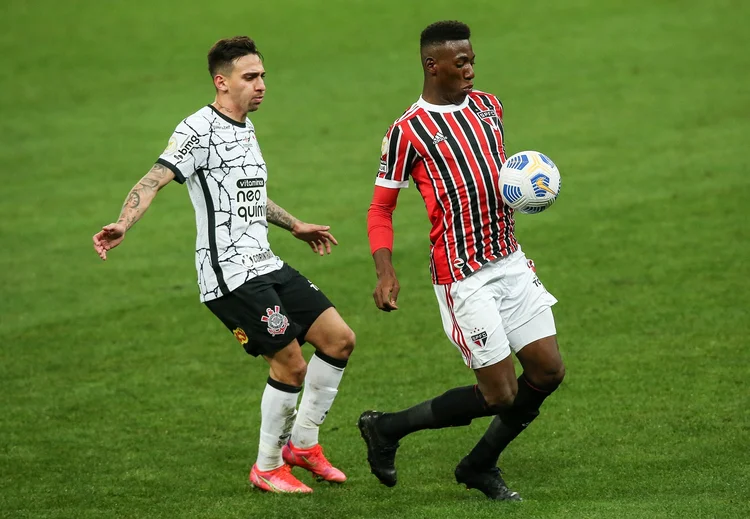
278 216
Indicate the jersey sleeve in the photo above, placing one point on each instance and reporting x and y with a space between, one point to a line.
380 218
397 157
498 106
186 151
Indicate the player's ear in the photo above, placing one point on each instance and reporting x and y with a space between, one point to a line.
220 82
430 65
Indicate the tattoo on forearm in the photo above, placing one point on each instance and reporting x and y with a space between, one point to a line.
158 171
133 200
128 221
149 183
143 191
278 216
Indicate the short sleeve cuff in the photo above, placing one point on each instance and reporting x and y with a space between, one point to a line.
391 184
178 176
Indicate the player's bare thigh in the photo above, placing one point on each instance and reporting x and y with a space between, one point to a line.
330 335
535 344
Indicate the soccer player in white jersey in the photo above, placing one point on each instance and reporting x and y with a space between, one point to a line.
269 307
451 144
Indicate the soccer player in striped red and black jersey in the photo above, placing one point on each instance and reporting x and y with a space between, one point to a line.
451 145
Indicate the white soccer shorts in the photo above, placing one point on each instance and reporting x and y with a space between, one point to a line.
500 307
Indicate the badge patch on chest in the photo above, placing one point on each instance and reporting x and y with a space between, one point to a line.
490 117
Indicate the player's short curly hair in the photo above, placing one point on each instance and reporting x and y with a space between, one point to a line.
447 30
225 51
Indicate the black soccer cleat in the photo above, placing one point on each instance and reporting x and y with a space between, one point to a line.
488 481
381 452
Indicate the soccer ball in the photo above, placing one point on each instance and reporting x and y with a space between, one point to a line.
529 182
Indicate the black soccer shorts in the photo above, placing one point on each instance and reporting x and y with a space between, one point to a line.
270 311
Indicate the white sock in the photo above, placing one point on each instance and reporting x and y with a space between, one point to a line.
277 412
321 385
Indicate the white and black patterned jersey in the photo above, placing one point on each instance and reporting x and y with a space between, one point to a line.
221 162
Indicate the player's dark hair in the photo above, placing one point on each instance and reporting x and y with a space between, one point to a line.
225 51
440 32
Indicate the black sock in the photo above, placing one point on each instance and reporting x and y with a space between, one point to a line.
508 424
458 406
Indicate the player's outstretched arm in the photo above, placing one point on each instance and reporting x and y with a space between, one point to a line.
136 203
316 236
380 234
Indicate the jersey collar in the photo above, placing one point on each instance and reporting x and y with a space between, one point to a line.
442 108
227 119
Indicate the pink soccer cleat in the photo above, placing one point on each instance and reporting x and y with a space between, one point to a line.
312 459
280 481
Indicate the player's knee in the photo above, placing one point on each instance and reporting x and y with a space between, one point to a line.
349 340
500 398
295 373
341 345
558 376
549 377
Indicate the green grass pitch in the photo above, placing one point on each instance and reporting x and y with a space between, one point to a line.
122 396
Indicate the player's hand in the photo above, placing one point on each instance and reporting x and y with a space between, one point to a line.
108 238
386 292
316 236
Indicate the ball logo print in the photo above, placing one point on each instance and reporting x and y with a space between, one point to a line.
277 322
540 181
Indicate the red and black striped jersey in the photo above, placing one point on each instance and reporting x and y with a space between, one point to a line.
453 153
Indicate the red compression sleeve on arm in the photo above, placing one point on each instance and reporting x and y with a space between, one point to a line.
380 218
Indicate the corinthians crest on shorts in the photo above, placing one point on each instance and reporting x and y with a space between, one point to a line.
277 322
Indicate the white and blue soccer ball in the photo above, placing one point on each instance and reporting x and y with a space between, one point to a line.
529 182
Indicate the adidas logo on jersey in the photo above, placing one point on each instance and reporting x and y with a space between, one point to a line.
439 138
